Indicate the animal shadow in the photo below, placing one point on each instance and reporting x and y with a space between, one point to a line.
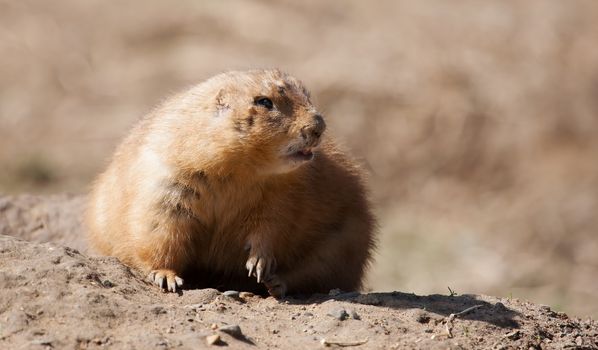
468 307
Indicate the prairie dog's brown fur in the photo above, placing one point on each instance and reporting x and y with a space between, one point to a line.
221 179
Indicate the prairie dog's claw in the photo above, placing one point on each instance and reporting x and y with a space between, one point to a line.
260 266
179 281
250 265
173 282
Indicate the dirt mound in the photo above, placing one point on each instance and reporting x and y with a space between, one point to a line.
53 296
44 219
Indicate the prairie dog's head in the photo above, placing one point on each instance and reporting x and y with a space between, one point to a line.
261 120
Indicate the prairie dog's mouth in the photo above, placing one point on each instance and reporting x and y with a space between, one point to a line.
304 154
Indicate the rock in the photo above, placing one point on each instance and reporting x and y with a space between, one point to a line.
231 294
500 306
514 335
107 284
232 330
213 339
245 295
354 315
545 308
338 313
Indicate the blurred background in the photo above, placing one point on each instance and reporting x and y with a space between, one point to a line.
477 120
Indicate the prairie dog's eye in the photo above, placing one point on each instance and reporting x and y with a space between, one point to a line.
264 102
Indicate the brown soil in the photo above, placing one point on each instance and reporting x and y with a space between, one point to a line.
53 295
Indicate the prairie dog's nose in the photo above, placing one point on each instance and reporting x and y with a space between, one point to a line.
315 129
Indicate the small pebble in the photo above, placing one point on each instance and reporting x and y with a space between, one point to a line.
107 284
500 306
334 292
233 330
245 295
213 339
562 315
339 313
514 335
354 315
231 294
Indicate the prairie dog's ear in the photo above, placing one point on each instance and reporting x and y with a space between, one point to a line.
222 100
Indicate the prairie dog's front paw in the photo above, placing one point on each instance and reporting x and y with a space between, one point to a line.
261 266
166 279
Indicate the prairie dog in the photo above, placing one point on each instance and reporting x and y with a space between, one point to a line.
233 184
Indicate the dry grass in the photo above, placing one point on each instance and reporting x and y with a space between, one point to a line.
477 120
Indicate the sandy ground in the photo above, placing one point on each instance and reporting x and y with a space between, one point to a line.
54 296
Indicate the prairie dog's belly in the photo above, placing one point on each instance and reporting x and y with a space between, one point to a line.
225 247
219 262
222 251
